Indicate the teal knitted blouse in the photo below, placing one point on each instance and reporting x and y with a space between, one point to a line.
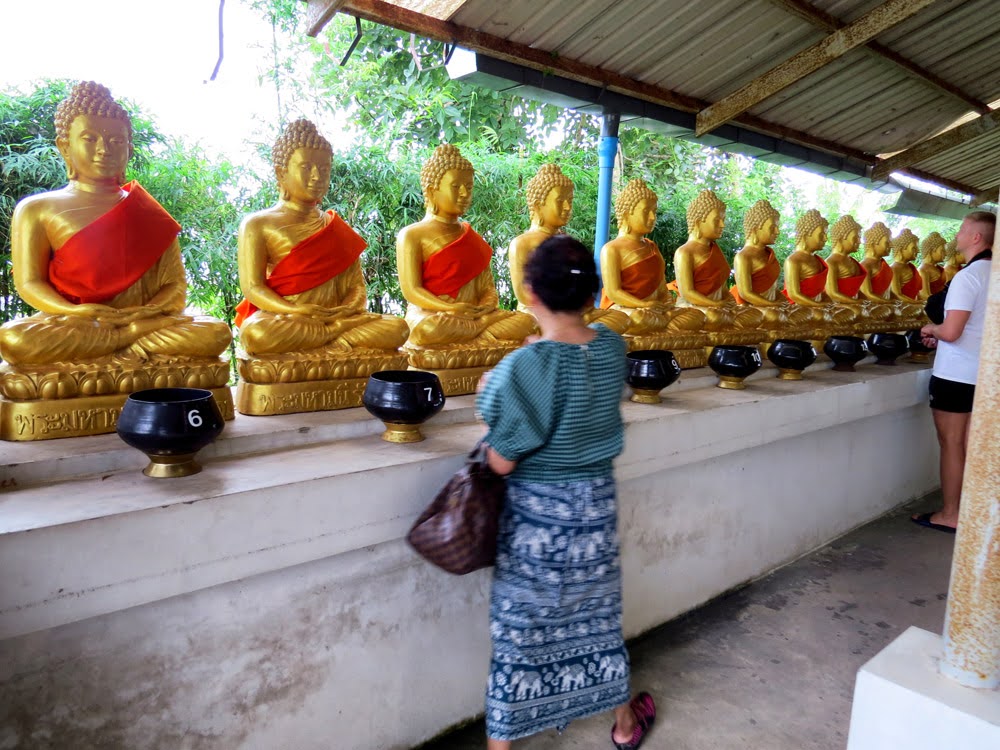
555 408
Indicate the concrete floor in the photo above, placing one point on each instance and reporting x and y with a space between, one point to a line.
772 666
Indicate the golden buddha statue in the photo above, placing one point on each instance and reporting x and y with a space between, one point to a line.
632 271
456 326
847 276
932 251
953 260
907 285
702 275
101 263
550 204
757 273
308 341
806 275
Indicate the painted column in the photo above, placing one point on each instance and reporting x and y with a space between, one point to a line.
972 622
607 149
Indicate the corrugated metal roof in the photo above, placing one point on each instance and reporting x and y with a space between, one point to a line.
860 105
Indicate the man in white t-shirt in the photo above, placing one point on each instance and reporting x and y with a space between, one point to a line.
953 382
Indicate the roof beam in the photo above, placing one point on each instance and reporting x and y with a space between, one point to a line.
946 141
821 18
319 13
992 195
809 60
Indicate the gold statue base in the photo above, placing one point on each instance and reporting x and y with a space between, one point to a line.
268 399
22 421
736 337
460 381
689 349
646 395
731 383
402 433
457 357
325 365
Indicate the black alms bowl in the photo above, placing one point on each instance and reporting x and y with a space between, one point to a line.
845 351
170 425
791 357
649 372
918 351
887 347
403 399
733 363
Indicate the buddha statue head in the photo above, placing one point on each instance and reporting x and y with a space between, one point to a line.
932 248
810 231
302 161
761 224
951 251
706 217
904 246
550 198
446 181
845 234
93 135
876 239
635 208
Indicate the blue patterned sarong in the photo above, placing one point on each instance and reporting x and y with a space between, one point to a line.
555 609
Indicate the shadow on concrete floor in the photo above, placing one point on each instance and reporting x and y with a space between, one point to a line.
772 666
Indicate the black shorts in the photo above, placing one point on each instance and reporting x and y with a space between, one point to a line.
948 395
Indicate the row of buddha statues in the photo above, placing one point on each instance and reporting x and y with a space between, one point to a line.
100 261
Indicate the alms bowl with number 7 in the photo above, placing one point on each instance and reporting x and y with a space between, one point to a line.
170 425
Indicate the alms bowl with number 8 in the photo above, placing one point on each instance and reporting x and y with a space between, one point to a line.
170 425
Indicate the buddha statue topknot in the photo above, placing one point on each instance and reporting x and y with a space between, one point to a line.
632 269
308 342
101 262
702 276
456 327
550 204
757 273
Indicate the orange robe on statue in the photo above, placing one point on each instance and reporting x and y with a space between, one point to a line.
937 285
456 264
851 285
763 278
314 261
814 285
640 279
912 287
112 253
882 279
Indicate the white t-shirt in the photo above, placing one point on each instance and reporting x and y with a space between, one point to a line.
959 360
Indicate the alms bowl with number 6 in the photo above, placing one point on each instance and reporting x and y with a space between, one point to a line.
170 425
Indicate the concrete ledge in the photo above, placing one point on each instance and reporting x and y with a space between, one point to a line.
902 701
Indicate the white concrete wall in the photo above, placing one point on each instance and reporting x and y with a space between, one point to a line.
271 603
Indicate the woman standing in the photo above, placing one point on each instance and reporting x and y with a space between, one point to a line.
552 408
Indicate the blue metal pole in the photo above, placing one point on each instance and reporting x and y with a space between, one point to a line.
607 149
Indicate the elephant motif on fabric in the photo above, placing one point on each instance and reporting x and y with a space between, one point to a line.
527 684
612 667
531 539
572 677
585 546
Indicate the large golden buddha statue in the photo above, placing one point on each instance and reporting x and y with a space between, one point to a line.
101 263
931 271
847 276
953 261
550 204
456 326
907 286
757 272
632 271
702 276
308 341
806 274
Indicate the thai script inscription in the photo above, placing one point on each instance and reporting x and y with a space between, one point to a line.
72 421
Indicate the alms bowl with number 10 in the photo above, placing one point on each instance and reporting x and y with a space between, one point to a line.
170 425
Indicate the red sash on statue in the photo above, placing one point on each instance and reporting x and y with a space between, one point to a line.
882 279
713 273
851 285
938 284
640 279
314 261
912 287
112 253
456 264
814 285
763 278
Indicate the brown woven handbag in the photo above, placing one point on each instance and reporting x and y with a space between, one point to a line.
458 530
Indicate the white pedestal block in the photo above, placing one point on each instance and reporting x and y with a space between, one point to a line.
902 701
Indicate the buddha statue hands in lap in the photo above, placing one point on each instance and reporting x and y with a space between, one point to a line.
550 204
300 272
445 276
101 262
806 274
702 271
757 270
847 279
632 269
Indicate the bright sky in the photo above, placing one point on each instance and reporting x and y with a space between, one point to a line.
159 55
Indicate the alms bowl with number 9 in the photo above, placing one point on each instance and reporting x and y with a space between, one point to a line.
170 425
403 400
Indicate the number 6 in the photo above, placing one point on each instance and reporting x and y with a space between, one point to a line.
194 418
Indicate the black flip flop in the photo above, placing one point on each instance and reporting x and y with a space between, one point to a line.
924 519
